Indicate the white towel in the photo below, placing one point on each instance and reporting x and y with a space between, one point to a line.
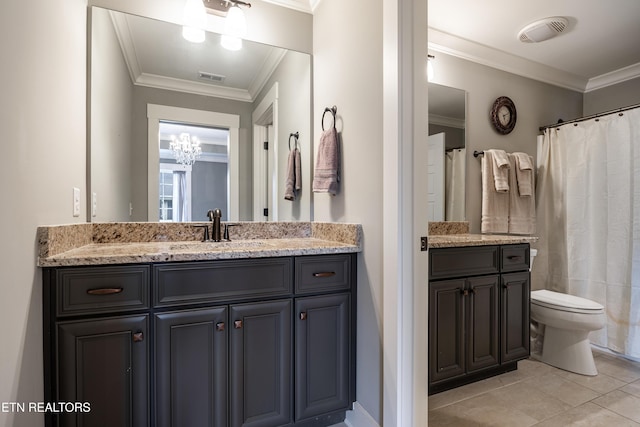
500 169
326 174
293 183
524 173
495 205
522 209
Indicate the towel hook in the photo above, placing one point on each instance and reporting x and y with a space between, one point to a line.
333 110
295 143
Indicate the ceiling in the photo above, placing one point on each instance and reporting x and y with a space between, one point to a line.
158 56
600 47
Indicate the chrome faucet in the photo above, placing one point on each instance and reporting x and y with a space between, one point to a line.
215 215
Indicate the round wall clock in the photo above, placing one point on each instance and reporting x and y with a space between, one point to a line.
503 115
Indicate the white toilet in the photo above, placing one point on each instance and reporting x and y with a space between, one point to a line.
563 322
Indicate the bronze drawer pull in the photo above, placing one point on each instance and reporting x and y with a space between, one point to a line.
220 326
464 292
303 315
514 257
237 324
138 337
104 291
325 274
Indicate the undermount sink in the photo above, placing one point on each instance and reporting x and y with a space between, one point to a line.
216 246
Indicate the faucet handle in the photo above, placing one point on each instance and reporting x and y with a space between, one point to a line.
205 236
225 235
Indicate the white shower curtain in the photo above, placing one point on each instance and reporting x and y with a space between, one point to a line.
455 185
589 217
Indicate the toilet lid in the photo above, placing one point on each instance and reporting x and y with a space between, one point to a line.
564 301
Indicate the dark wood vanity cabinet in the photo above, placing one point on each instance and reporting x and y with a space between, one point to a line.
250 342
478 313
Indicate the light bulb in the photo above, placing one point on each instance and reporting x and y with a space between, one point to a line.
231 42
194 21
235 23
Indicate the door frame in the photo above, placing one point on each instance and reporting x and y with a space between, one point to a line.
157 113
264 161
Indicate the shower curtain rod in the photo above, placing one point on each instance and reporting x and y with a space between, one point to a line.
593 116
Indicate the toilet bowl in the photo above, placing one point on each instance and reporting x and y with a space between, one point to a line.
564 322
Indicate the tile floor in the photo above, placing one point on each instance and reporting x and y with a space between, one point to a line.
543 396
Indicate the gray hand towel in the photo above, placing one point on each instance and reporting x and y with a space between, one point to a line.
293 183
326 173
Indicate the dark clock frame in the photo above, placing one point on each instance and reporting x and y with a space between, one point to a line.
503 101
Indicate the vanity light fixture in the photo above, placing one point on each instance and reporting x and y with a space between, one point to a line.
185 148
235 26
430 71
194 21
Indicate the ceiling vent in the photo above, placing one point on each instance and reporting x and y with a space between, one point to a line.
217 78
543 29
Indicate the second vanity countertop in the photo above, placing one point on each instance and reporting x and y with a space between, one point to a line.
125 243
448 234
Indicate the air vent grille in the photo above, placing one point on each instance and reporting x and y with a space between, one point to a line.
543 30
217 78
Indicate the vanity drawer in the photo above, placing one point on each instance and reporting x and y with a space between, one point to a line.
514 258
461 262
228 280
322 273
88 290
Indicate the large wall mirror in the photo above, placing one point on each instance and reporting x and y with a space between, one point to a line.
447 153
148 86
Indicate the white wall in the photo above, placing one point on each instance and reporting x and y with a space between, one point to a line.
537 104
611 97
42 115
348 73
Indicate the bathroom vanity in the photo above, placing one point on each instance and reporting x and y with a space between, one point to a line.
478 307
256 332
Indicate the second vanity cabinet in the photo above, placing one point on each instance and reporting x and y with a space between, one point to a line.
247 342
478 312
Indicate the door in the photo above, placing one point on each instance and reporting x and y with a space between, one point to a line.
515 316
191 368
483 316
105 364
323 360
435 181
446 330
261 364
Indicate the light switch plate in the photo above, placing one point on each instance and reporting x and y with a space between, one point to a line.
76 201
94 203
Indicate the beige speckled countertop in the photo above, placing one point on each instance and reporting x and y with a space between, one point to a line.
122 243
457 240
449 234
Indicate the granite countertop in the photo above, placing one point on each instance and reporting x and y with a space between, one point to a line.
449 234
123 243
458 240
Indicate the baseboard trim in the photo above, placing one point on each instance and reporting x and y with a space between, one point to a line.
359 417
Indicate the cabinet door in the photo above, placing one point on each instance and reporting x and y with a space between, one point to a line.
104 362
191 368
261 364
515 316
446 329
323 334
483 314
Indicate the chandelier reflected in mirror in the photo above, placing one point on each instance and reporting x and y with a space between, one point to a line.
185 148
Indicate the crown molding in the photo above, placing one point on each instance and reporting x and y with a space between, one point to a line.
614 77
197 88
465 49
451 122
300 5
270 64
